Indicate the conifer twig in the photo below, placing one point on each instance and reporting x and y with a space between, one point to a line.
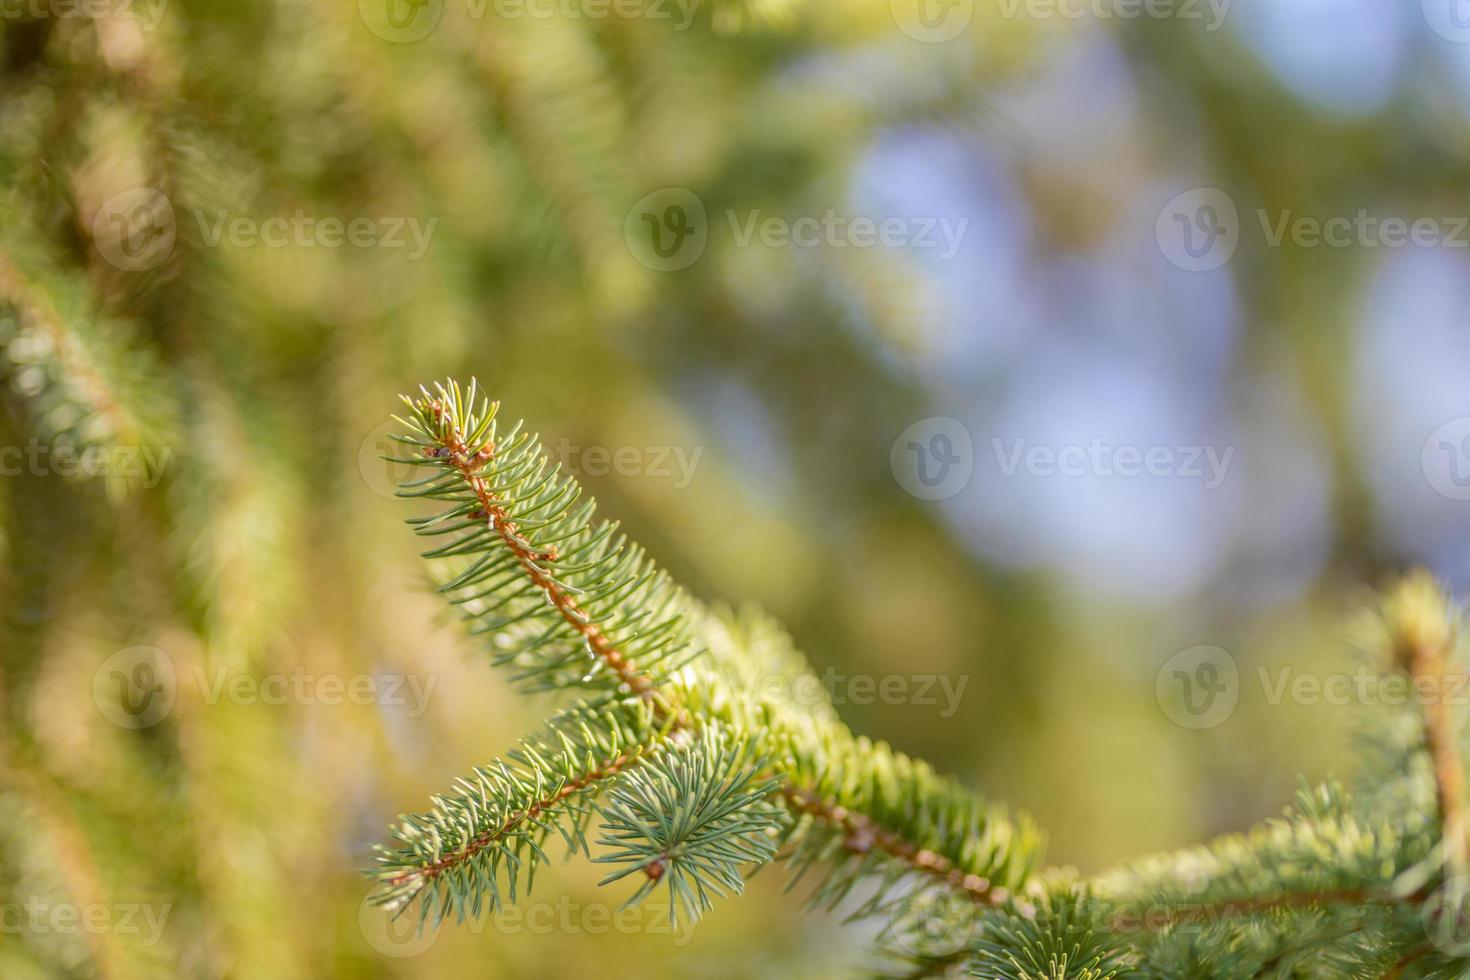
486 838
469 456
468 460
864 834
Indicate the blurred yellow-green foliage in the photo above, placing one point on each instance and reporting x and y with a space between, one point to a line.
173 285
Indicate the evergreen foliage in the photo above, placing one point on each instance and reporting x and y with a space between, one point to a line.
252 375
698 778
692 817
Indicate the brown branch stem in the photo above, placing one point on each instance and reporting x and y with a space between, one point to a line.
865 834
1429 660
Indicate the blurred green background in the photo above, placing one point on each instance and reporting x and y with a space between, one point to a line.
231 233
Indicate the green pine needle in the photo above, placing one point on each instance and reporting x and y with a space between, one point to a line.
565 601
481 844
693 818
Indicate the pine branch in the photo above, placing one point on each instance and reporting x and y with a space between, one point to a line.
1344 877
700 775
555 592
493 827
859 835
586 592
866 811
